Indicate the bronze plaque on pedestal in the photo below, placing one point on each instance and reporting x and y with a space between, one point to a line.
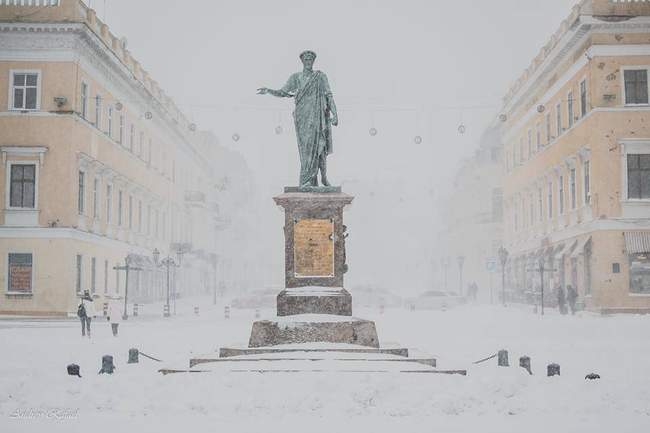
313 243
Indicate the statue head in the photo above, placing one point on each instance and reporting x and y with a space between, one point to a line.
308 57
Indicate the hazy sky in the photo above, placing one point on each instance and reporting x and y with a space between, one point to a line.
404 67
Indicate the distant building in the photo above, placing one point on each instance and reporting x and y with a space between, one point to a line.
577 161
97 164
472 221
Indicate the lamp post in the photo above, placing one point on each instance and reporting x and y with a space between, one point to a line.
167 262
127 268
461 262
503 259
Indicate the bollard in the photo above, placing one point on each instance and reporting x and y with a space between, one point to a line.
226 312
105 309
592 376
107 365
257 313
553 370
196 311
503 358
524 362
166 310
73 370
133 356
135 310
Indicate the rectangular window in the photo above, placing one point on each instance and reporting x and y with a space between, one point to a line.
636 86
561 195
109 130
109 203
98 112
548 128
521 152
120 136
93 274
25 90
583 98
117 280
120 206
149 152
132 138
638 176
586 181
549 202
105 276
570 109
78 273
572 180
81 197
640 273
130 212
84 100
96 198
148 220
20 273
558 120
22 191
538 137
141 144
530 143
139 216
540 204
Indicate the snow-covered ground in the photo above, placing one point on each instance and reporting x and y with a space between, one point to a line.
34 355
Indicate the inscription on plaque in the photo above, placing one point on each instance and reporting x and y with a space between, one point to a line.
313 246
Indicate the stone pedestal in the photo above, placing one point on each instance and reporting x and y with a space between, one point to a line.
314 329
315 300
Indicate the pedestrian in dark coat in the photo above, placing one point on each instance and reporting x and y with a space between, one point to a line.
561 300
85 312
572 297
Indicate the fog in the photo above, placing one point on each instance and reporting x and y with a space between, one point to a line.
407 68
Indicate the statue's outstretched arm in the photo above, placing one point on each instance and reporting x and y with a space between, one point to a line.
276 93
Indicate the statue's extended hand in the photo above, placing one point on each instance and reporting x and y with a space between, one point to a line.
262 91
335 120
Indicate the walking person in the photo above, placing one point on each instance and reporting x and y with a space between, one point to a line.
572 297
561 300
114 314
85 312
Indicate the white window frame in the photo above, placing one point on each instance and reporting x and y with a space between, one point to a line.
547 120
121 133
109 202
10 163
538 136
109 127
39 79
558 120
98 111
82 212
632 147
586 186
573 187
96 186
570 108
79 272
20 251
634 68
583 110
84 99
549 200
560 194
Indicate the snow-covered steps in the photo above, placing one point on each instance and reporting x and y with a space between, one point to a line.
226 352
196 361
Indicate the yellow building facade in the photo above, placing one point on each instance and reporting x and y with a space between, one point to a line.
97 164
576 133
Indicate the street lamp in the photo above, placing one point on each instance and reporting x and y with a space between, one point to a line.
503 259
167 262
127 268
461 262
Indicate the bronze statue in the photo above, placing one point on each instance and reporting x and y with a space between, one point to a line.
313 116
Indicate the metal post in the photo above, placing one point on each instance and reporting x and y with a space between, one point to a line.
503 285
167 304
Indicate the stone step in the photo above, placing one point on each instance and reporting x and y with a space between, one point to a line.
166 371
227 352
431 362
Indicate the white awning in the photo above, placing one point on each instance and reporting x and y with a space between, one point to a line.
580 248
637 242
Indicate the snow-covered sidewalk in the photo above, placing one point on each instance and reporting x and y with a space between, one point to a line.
490 399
